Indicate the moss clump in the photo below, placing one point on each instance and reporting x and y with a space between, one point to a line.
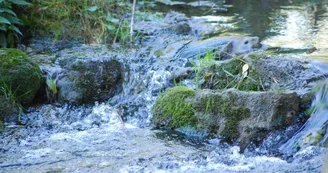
228 74
19 75
174 108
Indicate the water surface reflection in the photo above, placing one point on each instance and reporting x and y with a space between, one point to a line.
293 26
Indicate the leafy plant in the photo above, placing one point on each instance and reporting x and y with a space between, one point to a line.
9 31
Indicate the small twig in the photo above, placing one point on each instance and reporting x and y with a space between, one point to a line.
132 22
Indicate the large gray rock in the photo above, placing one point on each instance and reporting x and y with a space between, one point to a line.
81 75
86 81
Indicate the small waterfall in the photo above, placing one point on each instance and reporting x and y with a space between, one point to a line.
314 131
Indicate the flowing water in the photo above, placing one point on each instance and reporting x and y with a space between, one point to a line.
66 138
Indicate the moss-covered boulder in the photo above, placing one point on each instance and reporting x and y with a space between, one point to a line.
19 76
232 114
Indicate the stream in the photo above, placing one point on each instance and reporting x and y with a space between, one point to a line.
94 138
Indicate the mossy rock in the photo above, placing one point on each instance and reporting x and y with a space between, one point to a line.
236 116
201 110
174 108
19 75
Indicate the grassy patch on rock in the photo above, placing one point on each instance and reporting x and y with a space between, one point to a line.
230 74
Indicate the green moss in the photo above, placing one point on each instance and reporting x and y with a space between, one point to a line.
20 74
174 109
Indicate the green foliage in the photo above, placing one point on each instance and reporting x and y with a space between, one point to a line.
9 20
20 78
173 106
94 21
